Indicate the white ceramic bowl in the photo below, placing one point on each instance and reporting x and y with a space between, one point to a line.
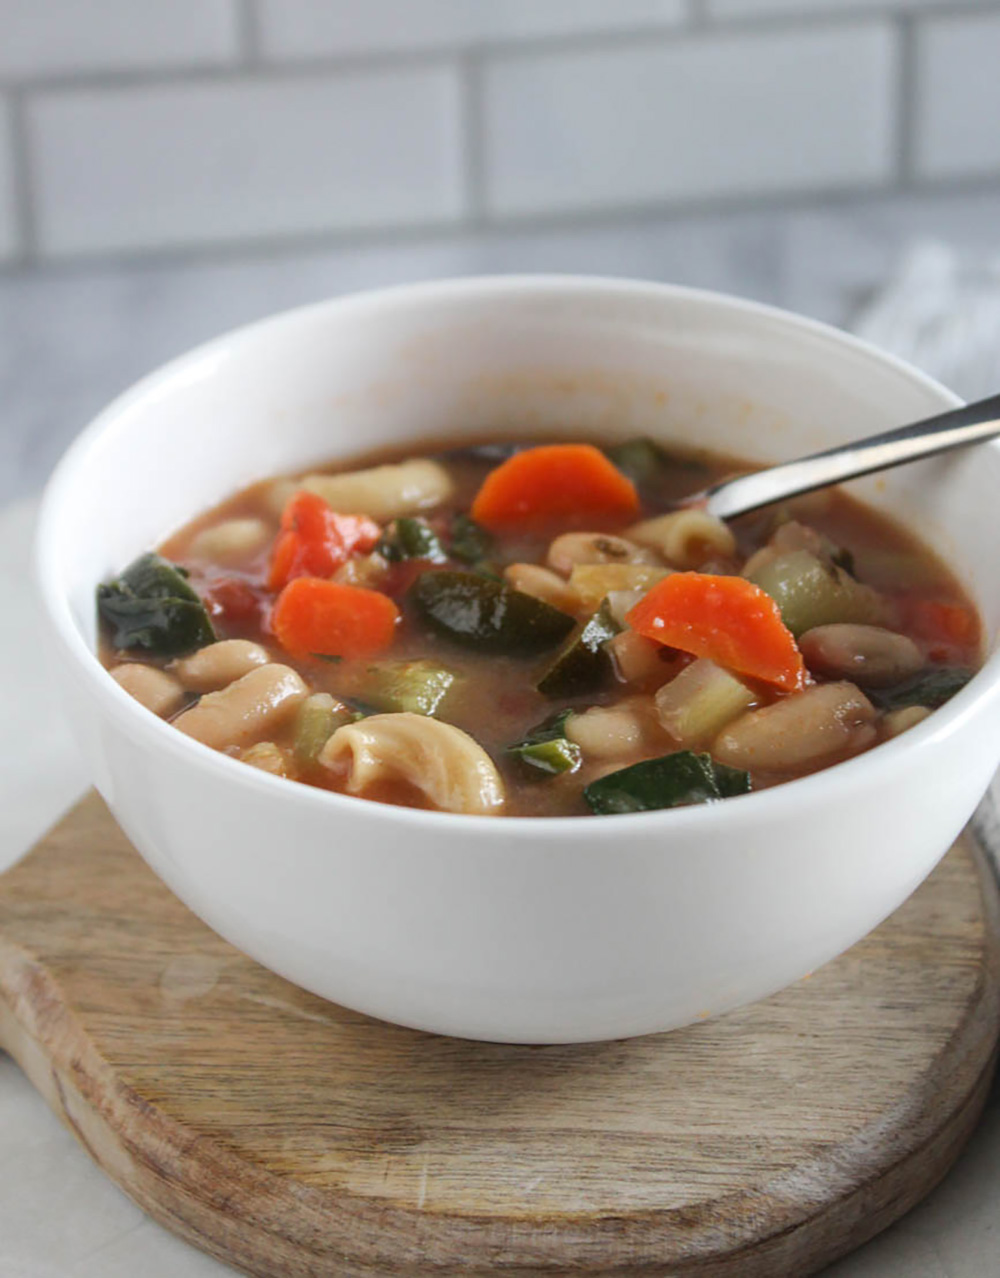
525 930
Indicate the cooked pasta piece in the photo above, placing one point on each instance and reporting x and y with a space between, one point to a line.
243 712
219 664
685 538
451 769
268 757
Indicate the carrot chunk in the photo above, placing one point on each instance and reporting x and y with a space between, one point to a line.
943 622
727 619
313 616
314 540
555 481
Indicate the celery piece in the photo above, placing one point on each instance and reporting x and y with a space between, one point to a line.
583 664
415 686
547 747
698 702
812 593
668 782
318 718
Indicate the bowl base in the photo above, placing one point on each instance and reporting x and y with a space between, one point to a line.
284 1134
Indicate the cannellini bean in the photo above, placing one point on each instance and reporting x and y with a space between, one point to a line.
362 570
544 584
442 761
231 541
154 688
637 659
237 715
869 655
611 732
801 731
570 549
897 721
385 492
219 664
685 538
268 757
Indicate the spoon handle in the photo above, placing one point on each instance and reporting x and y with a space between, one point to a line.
967 425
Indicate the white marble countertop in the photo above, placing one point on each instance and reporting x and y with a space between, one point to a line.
70 339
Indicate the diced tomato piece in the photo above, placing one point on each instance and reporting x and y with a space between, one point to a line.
314 540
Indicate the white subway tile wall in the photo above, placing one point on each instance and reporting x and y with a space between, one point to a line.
958 106
174 164
133 126
307 29
46 37
695 119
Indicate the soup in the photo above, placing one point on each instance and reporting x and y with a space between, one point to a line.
537 630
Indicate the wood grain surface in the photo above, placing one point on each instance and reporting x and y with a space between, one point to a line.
291 1137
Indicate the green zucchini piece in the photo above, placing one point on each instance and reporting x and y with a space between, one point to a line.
930 688
643 460
152 608
547 747
469 541
583 665
478 612
668 782
415 686
812 593
411 538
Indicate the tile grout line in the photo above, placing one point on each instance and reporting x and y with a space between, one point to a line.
247 33
907 100
470 72
25 221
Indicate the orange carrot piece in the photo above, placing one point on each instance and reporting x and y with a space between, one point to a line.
314 540
946 622
555 481
313 616
727 619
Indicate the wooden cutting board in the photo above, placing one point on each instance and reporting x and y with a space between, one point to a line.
291 1137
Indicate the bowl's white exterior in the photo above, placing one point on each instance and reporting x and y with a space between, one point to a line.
521 930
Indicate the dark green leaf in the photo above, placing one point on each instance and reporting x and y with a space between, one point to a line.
583 665
930 688
547 748
469 542
477 612
668 782
411 539
152 608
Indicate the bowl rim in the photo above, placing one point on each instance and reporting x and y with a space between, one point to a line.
134 719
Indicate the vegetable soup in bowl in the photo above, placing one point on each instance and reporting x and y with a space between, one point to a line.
419 688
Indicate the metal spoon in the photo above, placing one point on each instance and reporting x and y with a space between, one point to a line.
967 425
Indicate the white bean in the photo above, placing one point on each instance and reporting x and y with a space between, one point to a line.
612 732
154 688
219 664
442 761
385 492
241 713
637 659
686 538
544 584
574 548
897 721
362 570
800 732
869 655
231 541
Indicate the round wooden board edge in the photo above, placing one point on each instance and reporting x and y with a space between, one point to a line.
175 1175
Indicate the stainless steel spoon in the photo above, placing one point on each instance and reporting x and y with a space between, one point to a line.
967 425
